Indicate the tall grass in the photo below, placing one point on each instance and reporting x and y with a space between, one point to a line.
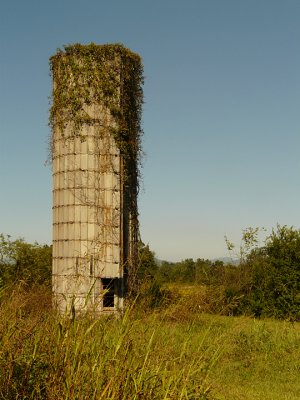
136 356
173 352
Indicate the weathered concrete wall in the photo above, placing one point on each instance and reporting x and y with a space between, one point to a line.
88 231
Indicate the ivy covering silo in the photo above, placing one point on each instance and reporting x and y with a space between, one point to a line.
96 149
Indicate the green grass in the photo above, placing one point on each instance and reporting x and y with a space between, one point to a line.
172 353
259 360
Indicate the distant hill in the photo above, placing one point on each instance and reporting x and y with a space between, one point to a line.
227 260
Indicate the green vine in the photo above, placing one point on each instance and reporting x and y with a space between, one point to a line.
110 75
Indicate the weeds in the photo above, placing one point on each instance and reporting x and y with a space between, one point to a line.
45 356
173 352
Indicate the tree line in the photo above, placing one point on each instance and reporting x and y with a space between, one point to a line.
265 282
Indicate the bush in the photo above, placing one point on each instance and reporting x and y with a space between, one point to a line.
271 284
21 261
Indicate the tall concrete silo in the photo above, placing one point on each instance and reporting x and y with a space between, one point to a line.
95 120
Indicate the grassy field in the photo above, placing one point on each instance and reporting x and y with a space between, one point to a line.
258 359
170 353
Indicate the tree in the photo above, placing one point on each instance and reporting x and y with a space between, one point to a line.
277 275
270 274
147 265
21 261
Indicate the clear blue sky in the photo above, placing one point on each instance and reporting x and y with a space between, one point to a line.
221 115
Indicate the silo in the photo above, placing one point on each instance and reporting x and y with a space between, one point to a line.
95 118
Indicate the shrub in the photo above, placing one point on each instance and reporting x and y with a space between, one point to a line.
21 261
